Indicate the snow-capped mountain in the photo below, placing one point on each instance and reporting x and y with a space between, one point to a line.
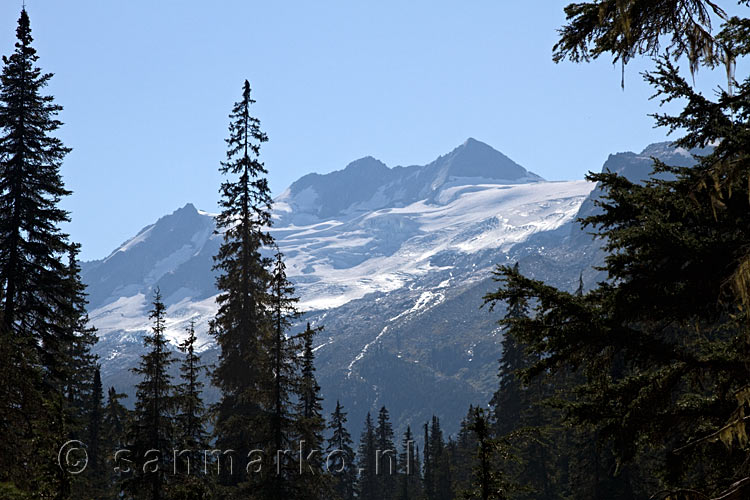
368 184
471 199
394 262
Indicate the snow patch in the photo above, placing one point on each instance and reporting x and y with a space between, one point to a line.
364 350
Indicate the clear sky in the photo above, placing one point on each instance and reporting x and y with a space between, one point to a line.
147 87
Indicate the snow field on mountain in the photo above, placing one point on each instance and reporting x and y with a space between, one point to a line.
333 262
475 218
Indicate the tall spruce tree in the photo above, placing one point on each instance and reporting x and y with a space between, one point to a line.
151 436
31 243
190 417
489 483
510 399
190 437
409 474
32 273
79 388
283 353
243 327
341 464
310 425
387 457
428 475
96 484
440 463
367 484
190 434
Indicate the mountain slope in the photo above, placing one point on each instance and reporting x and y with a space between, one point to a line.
395 271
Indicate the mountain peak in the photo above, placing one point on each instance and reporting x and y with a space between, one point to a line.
367 163
184 215
189 207
367 184
477 159
473 143
474 150
182 238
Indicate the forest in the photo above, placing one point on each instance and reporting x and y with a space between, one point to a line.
635 387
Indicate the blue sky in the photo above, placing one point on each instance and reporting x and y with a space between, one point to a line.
147 87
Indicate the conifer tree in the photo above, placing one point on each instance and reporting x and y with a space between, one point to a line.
114 423
81 418
242 325
418 471
521 404
190 428
489 484
409 474
32 273
510 398
114 420
644 28
440 463
341 465
310 425
464 452
96 470
579 290
20 384
428 476
367 485
78 386
151 436
285 364
387 458
659 346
